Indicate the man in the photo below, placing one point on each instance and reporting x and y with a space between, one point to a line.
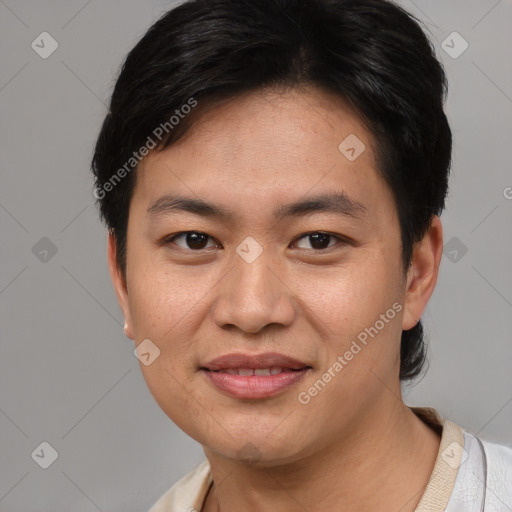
272 174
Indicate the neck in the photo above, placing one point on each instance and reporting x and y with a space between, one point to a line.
383 464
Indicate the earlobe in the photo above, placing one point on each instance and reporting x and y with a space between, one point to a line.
422 274
119 283
127 331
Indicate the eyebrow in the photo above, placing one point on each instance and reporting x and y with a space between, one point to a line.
339 203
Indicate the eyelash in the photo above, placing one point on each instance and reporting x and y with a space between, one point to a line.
340 239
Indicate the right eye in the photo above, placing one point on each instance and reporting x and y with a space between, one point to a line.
194 240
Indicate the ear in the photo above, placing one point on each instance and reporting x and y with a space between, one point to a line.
422 273
119 283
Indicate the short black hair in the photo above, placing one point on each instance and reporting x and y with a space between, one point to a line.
372 53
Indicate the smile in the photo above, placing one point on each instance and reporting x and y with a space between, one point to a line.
251 377
246 372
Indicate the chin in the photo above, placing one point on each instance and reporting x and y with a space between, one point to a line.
255 451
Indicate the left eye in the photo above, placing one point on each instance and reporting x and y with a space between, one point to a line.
197 240
319 240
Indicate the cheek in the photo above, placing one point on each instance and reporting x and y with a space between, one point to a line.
357 313
177 397
163 299
349 297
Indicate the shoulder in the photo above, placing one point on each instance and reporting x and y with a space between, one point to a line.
499 474
484 477
471 473
499 454
187 493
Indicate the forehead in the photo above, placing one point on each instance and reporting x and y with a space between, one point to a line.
267 147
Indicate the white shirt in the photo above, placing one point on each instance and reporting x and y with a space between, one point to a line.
469 475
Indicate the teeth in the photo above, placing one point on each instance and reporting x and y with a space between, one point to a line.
262 371
247 372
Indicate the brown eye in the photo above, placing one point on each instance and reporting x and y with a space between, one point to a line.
194 240
319 240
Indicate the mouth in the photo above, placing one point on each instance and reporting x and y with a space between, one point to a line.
250 377
247 372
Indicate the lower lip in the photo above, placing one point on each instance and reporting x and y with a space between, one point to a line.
254 386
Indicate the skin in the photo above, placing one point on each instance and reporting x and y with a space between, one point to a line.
355 445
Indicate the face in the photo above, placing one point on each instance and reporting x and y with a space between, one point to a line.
293 268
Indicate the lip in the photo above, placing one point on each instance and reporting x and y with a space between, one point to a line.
255 361
252 387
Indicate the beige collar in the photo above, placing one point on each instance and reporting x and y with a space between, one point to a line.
442 480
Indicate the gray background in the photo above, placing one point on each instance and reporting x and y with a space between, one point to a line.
68 374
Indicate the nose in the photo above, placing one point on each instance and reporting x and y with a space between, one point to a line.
253 296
